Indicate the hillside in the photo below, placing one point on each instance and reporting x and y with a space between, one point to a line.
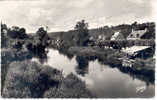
125 29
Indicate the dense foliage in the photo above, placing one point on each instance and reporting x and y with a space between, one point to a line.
82 36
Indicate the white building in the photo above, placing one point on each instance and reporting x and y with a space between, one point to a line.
134 35
117 36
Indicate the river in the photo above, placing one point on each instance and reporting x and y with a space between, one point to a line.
102 80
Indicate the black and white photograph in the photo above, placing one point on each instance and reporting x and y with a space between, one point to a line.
78 49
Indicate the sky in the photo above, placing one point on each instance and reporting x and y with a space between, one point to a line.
62 15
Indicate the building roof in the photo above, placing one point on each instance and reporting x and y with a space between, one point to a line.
134 34
134 49
116 35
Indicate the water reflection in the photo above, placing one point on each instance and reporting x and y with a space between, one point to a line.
104 80
111 83
147 76
42 57
65 53
82 65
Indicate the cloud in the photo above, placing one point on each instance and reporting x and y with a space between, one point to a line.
63 14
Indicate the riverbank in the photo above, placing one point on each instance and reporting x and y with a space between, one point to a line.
111 57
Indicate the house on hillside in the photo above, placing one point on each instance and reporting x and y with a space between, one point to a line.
117 36
134 35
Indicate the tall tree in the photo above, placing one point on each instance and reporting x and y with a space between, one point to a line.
82 36
41 33
42 36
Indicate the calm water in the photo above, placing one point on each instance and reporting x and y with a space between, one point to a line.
101 80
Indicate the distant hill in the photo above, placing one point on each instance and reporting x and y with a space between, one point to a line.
125 29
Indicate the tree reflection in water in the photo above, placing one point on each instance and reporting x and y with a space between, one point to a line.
65 53
42 56
148 76
82 65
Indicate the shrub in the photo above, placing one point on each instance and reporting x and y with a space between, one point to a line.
67 89
28 79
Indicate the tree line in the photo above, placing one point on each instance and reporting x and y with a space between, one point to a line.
41 38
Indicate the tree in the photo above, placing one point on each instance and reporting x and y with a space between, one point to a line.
82 36
13 32
22 33
40 42
17 33
134 24
41 33
3 35
81 25
43 36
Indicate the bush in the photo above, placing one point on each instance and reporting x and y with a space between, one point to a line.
29 80
71 87
7 56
